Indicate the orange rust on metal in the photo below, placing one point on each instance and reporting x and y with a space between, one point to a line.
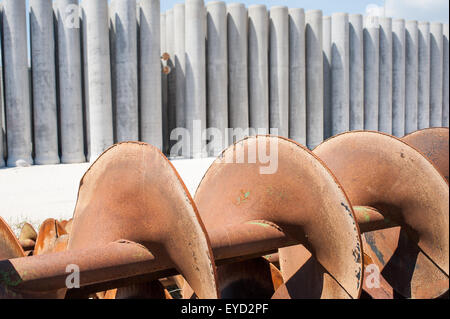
277 277
27 232
300 199
67 225
165 56
370 219
166 70
273 259
133 182
49 232
10 248
433 143
383 172
9 244
129 182
27 244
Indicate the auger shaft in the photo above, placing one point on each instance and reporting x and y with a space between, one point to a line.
125 260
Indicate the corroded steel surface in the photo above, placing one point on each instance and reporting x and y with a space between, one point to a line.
9 244
27 237
433 143
135 223
67 224
48 235
302 199
27 232
383 172
133 192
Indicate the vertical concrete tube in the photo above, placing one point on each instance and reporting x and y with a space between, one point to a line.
411 75
44 82
98 76
258 47
171 77
70 81
356 71
164 88
85 85
217 76
327 86
445 84
371 72
2 136
151 129
423 105
124 70
17 91
2 110
340 73
195 75
398 77
238 106
314 79
436 73
385 76
179 58
297 79
279 70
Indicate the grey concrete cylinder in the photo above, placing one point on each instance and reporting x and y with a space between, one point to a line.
356 71
327 77
180 63
385 76
445 84
98 76
124 69
258 46
164 89
2 136
314 79
217 75
17 90
279 71
340 84
70 81
371 72
171 77
436 73
151 129
297 79
238 106
423 106
411 75
85 73
44 82
398 77
195 75
2 118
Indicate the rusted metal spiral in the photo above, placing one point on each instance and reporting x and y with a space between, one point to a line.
359 199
